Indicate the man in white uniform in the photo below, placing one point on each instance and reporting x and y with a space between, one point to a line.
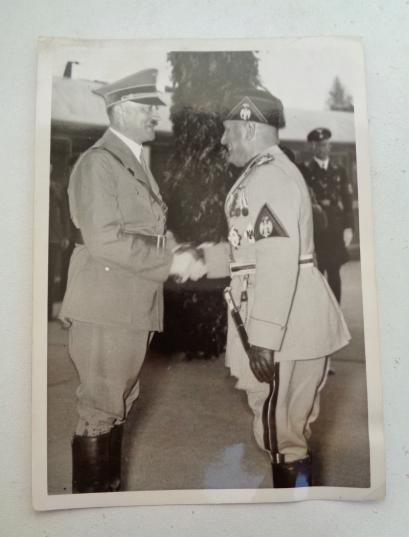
292 318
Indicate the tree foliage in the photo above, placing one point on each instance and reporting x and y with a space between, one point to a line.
196 184
339 98
198 177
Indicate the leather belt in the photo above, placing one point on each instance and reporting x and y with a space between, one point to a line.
158 241
240 269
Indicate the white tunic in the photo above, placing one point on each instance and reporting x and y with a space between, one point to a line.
290 307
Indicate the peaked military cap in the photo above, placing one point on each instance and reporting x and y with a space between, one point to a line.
139 87
257 105
318 135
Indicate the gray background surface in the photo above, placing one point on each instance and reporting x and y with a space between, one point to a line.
383 28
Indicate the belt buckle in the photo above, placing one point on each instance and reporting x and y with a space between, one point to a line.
160 242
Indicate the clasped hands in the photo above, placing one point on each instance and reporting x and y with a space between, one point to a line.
187 263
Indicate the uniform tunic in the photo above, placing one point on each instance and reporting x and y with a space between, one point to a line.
290 307
115 277
334 192
114 295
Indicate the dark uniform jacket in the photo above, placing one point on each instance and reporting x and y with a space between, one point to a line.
333 191
59 220
116 276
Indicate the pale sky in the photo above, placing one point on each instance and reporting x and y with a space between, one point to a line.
299 72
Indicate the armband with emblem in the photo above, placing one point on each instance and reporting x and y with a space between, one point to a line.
268 225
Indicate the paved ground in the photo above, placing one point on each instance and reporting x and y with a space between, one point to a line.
191 429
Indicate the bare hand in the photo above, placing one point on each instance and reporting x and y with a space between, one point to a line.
187 263
197 270
348 236
262 363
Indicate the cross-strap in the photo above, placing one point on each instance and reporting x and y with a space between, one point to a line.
145 168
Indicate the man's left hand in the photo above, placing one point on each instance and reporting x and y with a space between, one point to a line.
262 363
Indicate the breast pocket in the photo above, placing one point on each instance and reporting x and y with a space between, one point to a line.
134 203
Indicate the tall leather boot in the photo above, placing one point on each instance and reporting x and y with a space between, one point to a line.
91 463
116 455
292 474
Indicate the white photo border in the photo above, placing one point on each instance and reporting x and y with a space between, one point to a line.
44 501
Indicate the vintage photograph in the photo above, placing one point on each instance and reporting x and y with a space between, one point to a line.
205 322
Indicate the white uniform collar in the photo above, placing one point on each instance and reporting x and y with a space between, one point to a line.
133 146
273 149
322 163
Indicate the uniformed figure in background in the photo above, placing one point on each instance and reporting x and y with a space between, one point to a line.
292 318
114 301
333 191
58 240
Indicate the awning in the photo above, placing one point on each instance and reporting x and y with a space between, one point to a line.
74 105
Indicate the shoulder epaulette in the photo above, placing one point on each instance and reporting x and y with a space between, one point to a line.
102 148
264 159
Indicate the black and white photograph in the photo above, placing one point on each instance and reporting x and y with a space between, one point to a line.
205 318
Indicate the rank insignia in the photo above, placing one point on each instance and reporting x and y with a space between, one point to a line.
268 225
250 234
234 237
243 204
232 206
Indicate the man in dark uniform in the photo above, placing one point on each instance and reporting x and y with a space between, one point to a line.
114 297
333 191
58 240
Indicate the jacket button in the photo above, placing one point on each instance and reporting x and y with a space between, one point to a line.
107 269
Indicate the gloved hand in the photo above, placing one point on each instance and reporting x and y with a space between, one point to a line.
262 363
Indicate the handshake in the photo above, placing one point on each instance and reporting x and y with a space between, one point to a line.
187 263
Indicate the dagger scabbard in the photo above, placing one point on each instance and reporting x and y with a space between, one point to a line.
238 321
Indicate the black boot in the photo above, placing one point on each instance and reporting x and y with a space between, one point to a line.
91 463
292 474
116 451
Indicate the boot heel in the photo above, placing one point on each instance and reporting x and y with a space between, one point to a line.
91 463
116 450
292 474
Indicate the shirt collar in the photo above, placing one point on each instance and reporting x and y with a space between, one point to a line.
322 163
133 146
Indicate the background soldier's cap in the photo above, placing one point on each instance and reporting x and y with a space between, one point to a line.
257 105
139 87
318 135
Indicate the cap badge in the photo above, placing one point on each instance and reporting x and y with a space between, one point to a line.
245 112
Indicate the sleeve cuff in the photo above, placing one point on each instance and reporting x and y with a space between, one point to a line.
265 334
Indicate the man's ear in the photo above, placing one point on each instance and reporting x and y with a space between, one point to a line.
250 130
